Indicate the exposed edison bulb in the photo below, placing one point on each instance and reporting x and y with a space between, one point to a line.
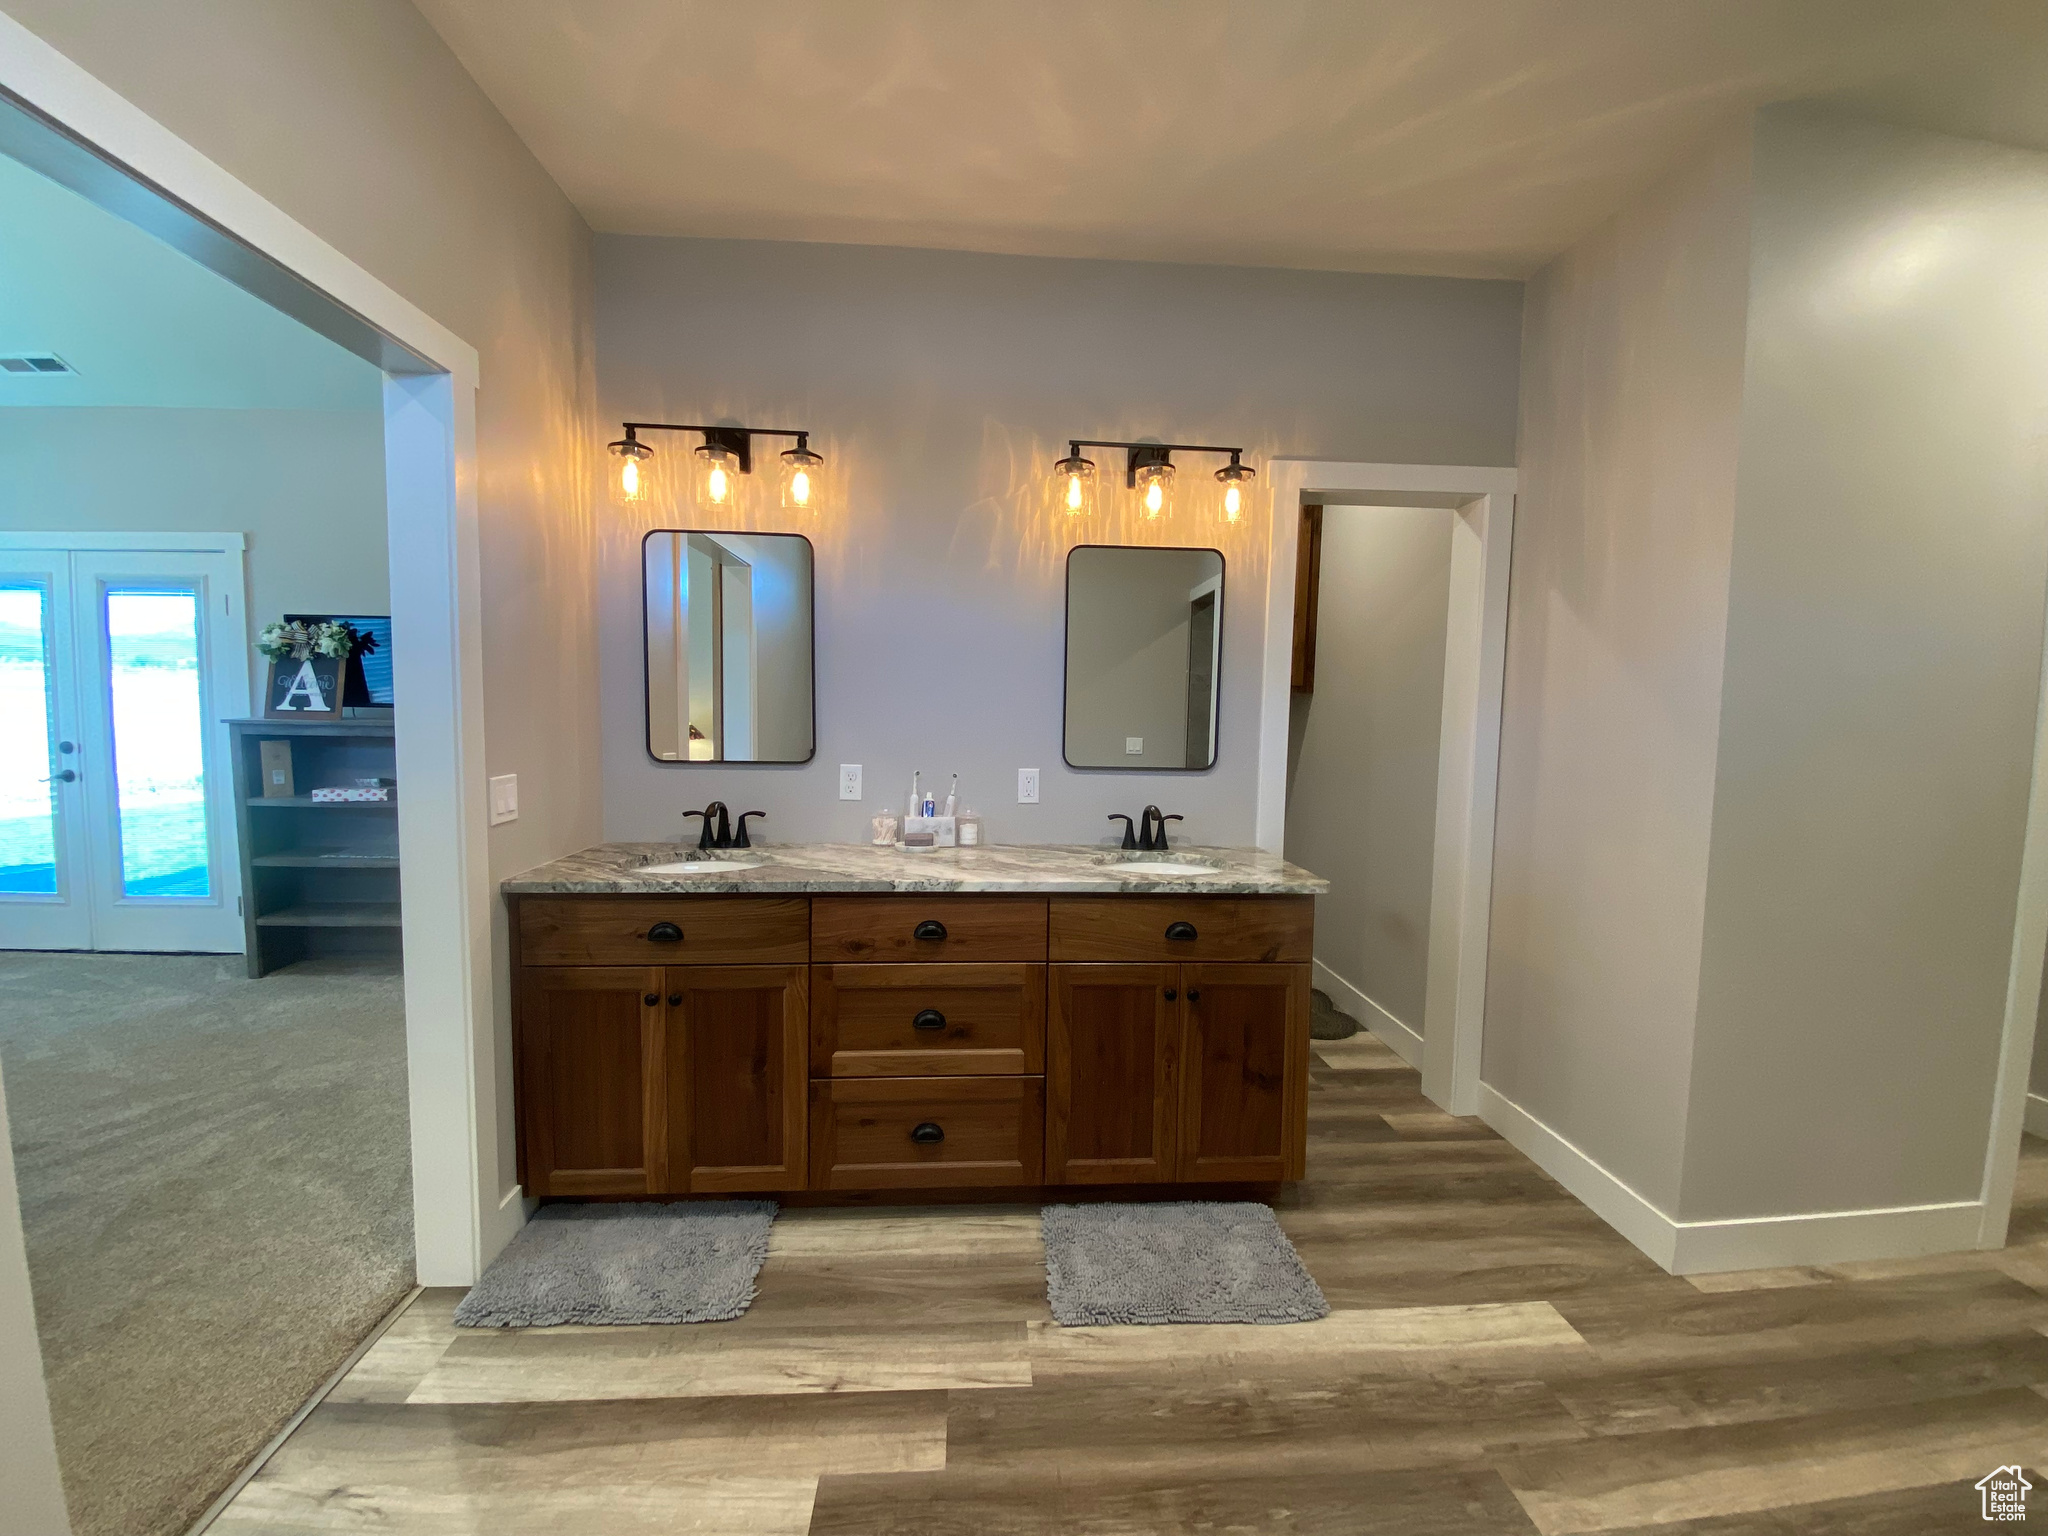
802 482
1073 485
1154 485
1236 480
630 451
717 478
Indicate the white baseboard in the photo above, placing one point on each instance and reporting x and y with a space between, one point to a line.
2037 1115
1406 1042
1746 1242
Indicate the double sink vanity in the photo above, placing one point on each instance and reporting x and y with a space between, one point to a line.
857 1021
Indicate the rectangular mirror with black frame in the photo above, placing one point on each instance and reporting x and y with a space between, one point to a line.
730 659
1144 657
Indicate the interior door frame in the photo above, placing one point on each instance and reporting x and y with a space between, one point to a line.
65 123
1468 764
225 674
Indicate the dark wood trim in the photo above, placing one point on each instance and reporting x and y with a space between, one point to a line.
1308 596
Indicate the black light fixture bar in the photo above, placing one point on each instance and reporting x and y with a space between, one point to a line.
737 441
1141 454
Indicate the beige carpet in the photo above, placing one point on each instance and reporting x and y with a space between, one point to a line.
217 1190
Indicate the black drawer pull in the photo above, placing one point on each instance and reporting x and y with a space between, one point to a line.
1181 931
665 933
651 999
930 928
675 999
927 1131
1171 994
929 1018
1194 996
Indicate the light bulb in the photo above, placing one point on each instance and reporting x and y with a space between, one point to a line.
1236 479
631 451
1154 485
802 487
718 484
1073 484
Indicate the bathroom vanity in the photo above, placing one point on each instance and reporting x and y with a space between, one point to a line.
839 1018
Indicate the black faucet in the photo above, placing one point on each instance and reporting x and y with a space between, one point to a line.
739 836
1130 837
717 831
1148 840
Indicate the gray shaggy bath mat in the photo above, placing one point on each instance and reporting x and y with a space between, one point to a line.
1181 1261
625 1263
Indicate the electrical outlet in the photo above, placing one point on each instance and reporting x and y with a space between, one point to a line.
849 781
504 798
1027 786
1134 746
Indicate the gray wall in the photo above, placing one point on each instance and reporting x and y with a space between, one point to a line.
941 387
305 487
1632 387
1362 807
1883 665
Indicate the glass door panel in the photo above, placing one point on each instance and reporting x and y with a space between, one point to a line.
159 743
28 792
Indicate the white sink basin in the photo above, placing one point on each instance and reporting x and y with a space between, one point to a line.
1161 869
701 867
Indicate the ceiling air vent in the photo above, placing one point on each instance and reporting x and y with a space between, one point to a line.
35 362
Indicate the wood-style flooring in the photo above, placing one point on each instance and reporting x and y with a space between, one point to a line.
1497 1361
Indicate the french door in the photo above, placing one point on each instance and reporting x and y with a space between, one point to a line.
117 824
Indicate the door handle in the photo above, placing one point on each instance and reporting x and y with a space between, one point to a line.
1181 931
68 776
665 933
675 999
929 1018
930 928
651 999
928 1131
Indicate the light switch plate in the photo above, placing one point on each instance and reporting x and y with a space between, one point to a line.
504 799
849 781
1134 746
1027 786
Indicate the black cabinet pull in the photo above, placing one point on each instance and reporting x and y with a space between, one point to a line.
665 933
929 1018
1194 996
675 999
930 928
651 999
1171 994
927 1131
1181 931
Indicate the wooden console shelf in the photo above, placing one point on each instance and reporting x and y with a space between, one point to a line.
721 1044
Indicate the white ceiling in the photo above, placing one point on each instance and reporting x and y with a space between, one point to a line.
145 325
1465 137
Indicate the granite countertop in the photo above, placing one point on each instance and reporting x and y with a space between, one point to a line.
796 868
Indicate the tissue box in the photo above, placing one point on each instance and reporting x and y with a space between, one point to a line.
940 827
356 795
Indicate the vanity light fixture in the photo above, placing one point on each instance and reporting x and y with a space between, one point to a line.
1148 470
725 454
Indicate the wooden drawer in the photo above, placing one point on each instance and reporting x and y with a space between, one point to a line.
922 1020
993 1131
711 930
1137 928
957 928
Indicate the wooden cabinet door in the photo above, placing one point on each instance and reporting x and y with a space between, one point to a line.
736 1077
1244 1090
1112 1063
590 1103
